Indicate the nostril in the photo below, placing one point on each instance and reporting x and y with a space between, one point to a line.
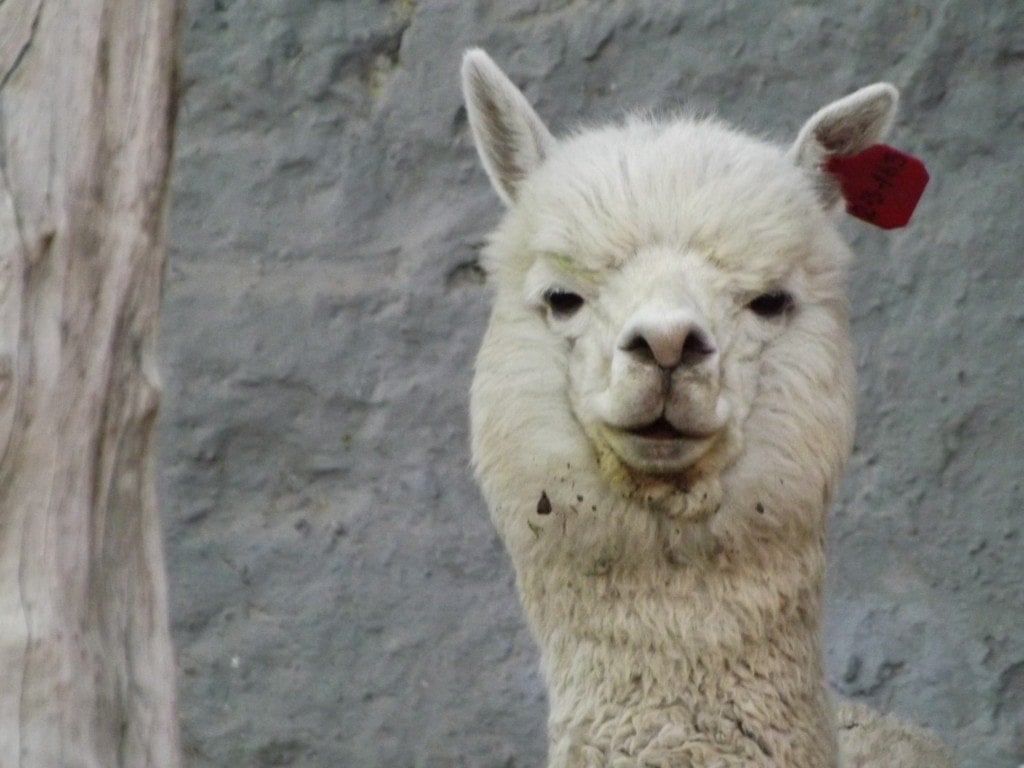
696 347
638 346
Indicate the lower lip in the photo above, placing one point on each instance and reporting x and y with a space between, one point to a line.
661 454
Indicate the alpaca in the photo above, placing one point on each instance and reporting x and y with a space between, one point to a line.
662 406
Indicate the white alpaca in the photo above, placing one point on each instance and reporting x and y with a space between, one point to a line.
661 410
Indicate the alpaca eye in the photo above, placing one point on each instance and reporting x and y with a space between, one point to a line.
771 304
563 303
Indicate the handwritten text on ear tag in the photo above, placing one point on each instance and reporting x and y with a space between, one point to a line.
881 185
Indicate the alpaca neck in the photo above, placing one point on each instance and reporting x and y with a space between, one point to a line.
718 661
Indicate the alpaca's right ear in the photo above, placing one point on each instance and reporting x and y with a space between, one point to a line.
511 139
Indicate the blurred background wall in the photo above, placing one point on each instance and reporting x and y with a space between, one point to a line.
339 596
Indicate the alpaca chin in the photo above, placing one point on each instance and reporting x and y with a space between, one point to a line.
692 495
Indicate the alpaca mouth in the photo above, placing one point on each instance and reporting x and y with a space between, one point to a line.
663 429
659 447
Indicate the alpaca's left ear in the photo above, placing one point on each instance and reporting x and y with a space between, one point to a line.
844 127
511 139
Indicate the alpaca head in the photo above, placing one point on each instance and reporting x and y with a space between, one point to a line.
669 338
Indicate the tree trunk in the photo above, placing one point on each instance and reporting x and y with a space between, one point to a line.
86 118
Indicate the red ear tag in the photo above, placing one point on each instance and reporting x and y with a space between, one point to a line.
881 184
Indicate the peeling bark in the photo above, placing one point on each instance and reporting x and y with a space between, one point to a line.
86 118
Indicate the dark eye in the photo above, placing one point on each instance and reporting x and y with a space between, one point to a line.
771 304
563 303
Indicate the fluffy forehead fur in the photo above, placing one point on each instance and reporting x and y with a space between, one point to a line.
690 185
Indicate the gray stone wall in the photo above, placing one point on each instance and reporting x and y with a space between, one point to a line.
339 596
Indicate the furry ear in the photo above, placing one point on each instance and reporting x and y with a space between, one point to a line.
511 139
844 127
